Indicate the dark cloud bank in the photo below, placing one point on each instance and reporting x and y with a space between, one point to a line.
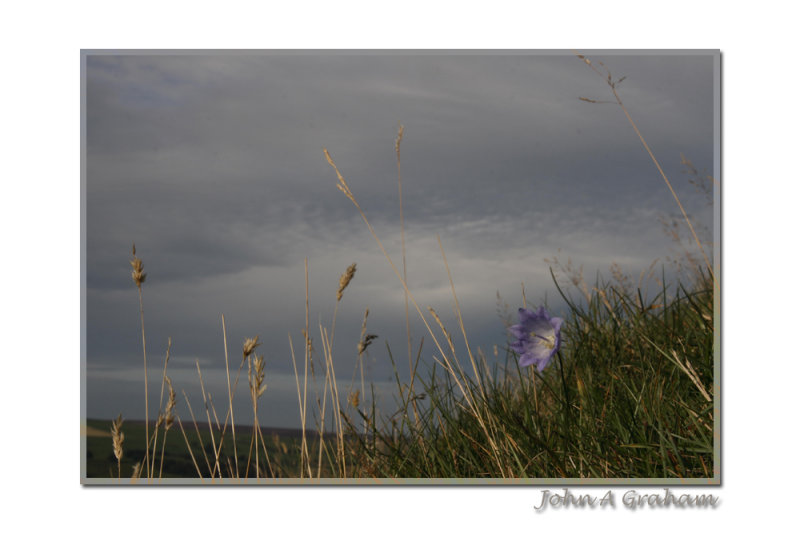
213 165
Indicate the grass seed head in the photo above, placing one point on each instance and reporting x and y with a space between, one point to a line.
344 281
352 399
117 436
169 417
138 273
249 346
444 330
366 342
398 140
342 185
137 471
255 376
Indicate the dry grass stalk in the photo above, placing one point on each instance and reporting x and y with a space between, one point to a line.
689 262
461 320
164 372
403 253
485 361
160 403
646 274
692 374
139 276
327 347
703 184
260 387
460 378
309 343
269 470
342 186
574 275
365 340
469 397
444 330
306 361
206 401
169 419
214 412
330 376
255 379
622 279
117 439
230 394
301 406
189 448
199 436
613 85
248 346
322 423
607 304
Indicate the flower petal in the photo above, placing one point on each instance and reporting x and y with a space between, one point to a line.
540 327
542 364
518 331
556 322
526 315
538 337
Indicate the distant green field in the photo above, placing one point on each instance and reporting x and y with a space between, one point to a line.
282 447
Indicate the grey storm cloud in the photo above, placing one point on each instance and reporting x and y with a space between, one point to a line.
213 164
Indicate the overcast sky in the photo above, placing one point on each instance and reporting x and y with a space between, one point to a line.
213 165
